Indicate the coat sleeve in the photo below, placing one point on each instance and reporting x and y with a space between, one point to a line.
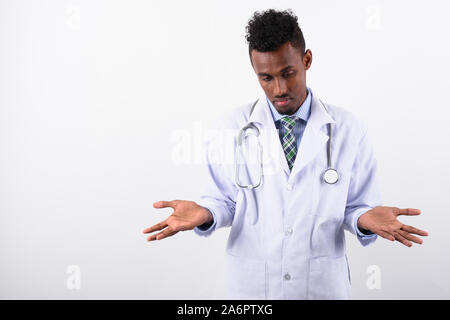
219 192
364 190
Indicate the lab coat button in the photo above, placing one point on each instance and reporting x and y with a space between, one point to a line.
287 276
289 186
289 232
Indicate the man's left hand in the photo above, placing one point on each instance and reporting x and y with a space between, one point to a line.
383 221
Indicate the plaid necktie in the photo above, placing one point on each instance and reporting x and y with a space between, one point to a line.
288 141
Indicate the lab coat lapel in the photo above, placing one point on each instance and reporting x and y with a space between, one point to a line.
314 139
271 141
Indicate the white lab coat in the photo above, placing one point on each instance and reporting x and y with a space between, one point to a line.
287 236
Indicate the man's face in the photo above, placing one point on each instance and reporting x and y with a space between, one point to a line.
282 75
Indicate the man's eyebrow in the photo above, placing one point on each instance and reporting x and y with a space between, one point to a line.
281 71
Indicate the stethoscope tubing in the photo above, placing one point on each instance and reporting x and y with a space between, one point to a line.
330 175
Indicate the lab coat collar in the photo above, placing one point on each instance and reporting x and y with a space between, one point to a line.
313 139
261 112
318 117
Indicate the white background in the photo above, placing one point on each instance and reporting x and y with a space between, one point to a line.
91 93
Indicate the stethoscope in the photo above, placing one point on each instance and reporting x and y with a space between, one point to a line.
330 175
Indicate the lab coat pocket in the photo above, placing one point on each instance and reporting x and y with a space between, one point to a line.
245 278
329 278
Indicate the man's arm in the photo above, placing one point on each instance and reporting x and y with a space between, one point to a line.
208 224
215 208
364 215
218 192
363 193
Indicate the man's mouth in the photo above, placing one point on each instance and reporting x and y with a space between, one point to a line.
282 102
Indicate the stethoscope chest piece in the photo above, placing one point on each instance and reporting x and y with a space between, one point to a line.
330 176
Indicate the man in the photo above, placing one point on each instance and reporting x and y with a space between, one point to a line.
287 235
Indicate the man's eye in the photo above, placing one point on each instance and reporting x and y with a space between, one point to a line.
288 74
266 79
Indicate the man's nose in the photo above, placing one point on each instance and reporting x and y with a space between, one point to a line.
280 88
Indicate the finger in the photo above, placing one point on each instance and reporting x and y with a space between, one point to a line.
402 239
410 237
157 236
408 212
411 229
156 227
165 233
164 204
386 235
152 237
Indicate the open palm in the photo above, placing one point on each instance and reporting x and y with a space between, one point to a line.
185 216
383 221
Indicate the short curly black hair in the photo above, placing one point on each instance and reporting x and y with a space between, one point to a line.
268 30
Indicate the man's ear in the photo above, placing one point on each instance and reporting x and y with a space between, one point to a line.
307 59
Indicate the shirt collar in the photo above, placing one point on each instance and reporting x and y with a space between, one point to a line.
302 112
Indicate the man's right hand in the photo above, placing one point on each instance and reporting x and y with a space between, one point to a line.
186 216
